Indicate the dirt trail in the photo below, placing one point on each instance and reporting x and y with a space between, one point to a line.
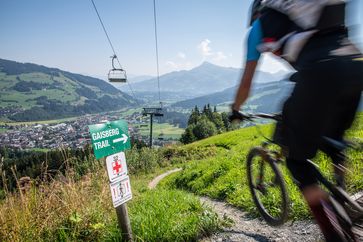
157 179
250 229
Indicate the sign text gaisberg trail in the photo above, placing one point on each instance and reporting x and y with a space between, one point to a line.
109 138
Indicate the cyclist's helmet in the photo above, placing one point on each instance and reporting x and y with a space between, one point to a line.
256 8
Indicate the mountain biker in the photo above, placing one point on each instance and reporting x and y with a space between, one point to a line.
312 37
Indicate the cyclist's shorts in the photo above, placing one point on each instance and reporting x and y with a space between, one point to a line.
323 103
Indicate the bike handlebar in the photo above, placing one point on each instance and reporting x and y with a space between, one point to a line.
275 117
236 115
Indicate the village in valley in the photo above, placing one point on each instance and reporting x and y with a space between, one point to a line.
73 133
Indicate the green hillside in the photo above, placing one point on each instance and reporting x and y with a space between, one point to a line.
222 174
32 92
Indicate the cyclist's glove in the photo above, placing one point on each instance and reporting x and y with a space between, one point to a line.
236 115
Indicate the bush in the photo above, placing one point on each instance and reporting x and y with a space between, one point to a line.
204 129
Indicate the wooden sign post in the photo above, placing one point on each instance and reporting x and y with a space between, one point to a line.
110 139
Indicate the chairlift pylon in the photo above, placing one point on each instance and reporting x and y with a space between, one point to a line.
116 74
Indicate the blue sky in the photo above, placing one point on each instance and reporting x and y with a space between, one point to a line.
67 34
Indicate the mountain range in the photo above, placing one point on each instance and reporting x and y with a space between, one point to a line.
34 92
265 97
201 80
30 92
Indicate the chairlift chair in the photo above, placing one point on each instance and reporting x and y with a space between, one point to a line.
116 74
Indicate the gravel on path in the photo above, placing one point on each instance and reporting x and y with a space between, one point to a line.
249 229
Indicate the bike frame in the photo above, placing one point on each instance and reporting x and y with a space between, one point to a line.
338 193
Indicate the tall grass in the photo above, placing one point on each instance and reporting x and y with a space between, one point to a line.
74 207
62 210
172 215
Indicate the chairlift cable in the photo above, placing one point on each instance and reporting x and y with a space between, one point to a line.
157 60
113 49
104 29
157 50
133 94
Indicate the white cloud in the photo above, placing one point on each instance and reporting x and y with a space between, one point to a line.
219 56
188 65
171 64
174 66
181 55
207 53
178 62
204 48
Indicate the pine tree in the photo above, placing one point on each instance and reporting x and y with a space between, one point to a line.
194 116
218 121
204 124
227 124
188 136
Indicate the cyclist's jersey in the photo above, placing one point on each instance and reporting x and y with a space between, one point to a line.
302 43
255 39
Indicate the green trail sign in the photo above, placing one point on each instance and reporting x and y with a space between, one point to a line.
109 138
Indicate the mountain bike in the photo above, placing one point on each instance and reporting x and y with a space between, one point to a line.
268 188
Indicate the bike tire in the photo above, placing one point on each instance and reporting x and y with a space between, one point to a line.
271 217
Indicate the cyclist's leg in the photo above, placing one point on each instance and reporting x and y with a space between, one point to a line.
342 113
305 113
342 116
317 199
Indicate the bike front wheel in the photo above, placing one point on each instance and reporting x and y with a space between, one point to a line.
267 187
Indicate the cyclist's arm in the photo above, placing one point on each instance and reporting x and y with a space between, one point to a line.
253 55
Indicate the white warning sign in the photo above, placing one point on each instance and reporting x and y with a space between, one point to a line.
121 191
116 166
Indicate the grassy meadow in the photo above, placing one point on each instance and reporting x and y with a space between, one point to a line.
122 112
165 130
27 99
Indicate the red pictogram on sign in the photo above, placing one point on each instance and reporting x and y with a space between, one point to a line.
116 167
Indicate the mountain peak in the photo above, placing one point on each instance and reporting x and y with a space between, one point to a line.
208 64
